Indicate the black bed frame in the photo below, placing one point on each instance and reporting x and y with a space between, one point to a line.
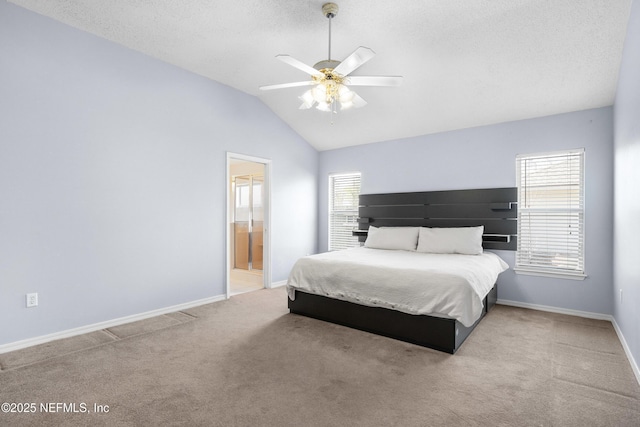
495 208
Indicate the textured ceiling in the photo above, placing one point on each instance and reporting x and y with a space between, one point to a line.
465 62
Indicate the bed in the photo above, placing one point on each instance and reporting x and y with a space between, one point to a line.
382 287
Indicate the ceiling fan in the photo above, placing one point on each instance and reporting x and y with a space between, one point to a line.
331 79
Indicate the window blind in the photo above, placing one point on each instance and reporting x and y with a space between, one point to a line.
344 191
551 213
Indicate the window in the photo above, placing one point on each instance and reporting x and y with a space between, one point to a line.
551 214
344 190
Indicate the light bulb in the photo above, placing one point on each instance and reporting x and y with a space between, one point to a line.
319 93
346 105
345 94
324 106
307 100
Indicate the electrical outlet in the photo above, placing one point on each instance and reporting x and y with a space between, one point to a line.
32 300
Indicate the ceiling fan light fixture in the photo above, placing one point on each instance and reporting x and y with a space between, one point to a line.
327 93
330 78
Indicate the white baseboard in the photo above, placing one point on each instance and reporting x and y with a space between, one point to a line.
589 315
5 348
278 284
632 361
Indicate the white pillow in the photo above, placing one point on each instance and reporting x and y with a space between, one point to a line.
403 238
459 240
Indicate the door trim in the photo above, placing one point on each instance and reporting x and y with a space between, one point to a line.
266 257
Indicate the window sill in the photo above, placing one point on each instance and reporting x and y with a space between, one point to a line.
555 274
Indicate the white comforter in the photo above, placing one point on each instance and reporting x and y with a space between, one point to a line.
452 286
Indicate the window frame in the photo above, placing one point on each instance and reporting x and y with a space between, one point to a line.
330 196
550 271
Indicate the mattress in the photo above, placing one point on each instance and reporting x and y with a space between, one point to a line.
444 285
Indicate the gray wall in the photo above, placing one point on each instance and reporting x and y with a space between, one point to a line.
627 188
485 157
112 179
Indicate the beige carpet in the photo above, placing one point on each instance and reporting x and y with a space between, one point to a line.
247 362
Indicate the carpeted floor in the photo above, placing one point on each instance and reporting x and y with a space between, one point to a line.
247 362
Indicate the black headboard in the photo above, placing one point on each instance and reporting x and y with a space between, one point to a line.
495 208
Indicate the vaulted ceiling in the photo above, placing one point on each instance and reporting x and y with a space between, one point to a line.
465 63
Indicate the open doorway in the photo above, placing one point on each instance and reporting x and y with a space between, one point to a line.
247 221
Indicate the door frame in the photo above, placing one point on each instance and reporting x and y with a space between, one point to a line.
266 256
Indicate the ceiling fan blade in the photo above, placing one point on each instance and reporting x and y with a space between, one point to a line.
299 65
353 61
358 101
374 80
286 85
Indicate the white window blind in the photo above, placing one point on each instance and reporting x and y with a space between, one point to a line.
551 213
344 190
